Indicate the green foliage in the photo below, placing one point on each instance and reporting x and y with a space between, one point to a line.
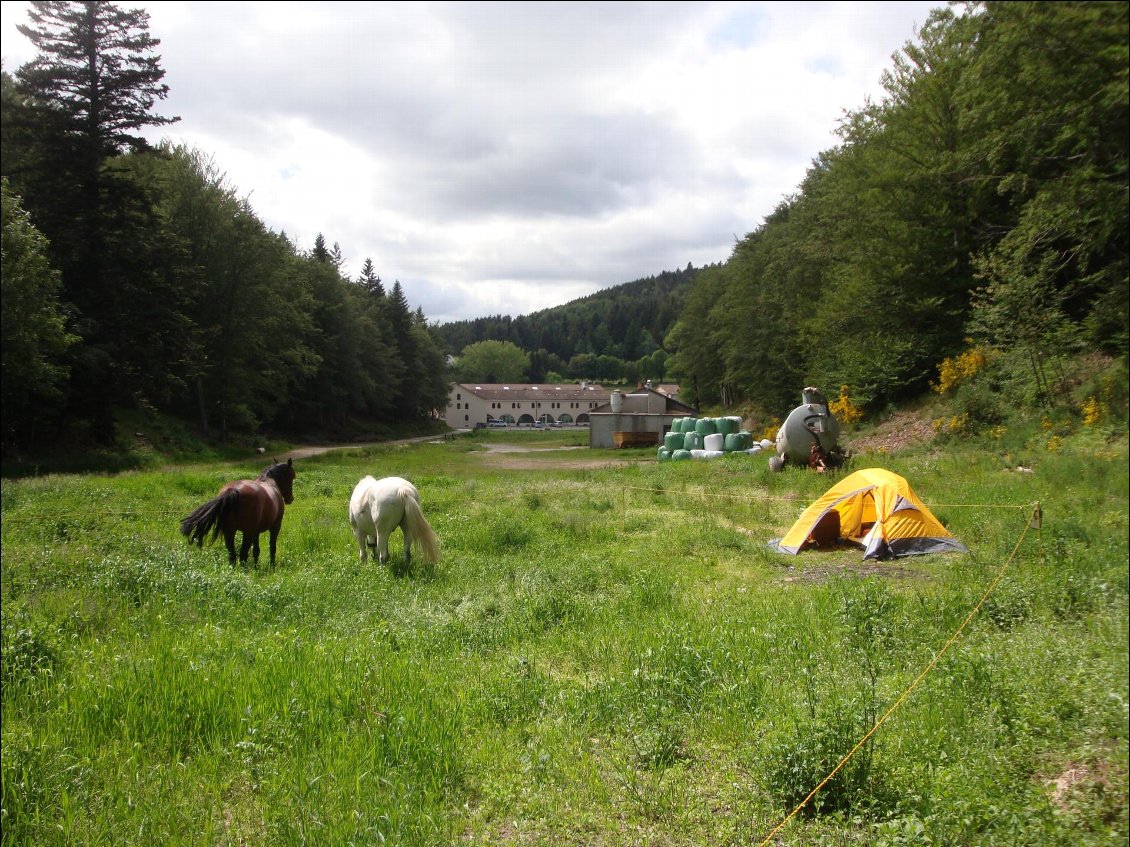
24 652
1045 127
812 750
492 362
33 334
180 301
105 100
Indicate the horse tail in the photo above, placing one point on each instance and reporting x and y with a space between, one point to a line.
209 517
423 536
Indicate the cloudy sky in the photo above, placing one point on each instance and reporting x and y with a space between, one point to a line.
499 158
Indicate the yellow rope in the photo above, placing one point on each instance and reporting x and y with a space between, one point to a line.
794 498
917 680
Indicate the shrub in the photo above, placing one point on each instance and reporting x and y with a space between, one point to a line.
845 411
956 370
809 753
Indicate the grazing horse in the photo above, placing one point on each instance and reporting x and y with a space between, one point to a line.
250 506
378 507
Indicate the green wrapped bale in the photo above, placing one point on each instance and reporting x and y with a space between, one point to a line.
706 426
729 425
680 455
674 441
663 454
692 441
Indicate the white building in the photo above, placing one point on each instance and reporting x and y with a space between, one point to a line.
469 404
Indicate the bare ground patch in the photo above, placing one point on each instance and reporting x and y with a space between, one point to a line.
903 429
519 458
835 570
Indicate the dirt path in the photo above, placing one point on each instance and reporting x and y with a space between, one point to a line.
508 456
307 452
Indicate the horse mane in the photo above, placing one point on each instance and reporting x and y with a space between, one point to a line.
270 473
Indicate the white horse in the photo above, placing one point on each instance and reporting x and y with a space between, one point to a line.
378 507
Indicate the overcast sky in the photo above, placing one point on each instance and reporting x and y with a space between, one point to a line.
500 158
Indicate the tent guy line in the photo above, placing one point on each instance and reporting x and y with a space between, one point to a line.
707 495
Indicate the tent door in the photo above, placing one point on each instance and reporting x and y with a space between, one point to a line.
826 533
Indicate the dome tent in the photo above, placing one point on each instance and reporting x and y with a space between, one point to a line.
875 509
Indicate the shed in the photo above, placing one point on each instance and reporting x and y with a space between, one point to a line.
635 419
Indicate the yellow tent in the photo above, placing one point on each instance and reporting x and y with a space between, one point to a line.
875 509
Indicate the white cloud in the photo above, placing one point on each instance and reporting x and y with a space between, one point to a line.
507 157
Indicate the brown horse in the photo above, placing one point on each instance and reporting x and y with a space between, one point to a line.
250 506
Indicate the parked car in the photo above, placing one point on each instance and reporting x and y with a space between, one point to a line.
497 424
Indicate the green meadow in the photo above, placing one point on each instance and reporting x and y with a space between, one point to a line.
607 653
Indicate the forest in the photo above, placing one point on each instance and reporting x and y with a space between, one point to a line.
977 212
614 335
137 278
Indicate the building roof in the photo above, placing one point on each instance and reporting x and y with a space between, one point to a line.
525 392
641 402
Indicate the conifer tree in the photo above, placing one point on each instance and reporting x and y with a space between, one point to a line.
96 70
370 280
400 317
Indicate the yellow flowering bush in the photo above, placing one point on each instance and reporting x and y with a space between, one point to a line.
955 370
845 411
956 425
1093 411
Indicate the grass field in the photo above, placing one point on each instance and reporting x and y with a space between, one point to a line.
608 653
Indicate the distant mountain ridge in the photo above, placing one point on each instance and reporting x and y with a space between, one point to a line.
626 321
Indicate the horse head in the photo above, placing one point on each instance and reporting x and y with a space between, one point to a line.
282 474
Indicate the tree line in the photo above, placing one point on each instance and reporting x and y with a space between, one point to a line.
614 335
135 277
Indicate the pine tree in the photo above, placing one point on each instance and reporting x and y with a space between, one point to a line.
96 70
320 252
400 317
370 281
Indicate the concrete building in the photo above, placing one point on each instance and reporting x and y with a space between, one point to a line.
636 418
520 404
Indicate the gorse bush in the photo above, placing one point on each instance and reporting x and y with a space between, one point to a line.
958 370
844 410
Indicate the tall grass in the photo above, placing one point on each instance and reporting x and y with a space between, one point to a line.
604 655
